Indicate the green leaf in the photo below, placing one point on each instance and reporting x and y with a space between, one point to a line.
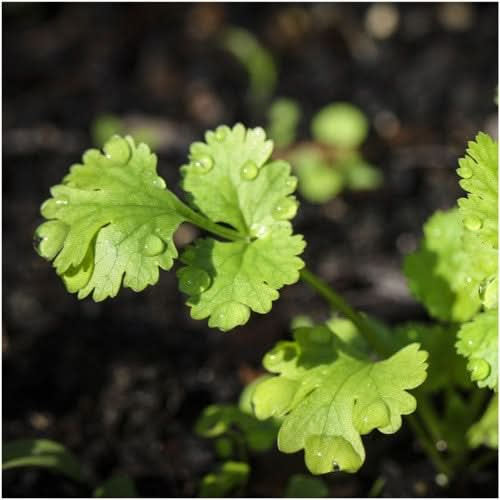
118 486
40 453
232 476
231 182
479 172
439 342
340 124
111 220
443 274
227 280
329 398
219 420
478 342
284 115
485 431
302 486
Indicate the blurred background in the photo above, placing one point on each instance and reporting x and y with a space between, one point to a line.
121 383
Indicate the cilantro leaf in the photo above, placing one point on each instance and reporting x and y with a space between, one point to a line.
439 342
479 172
227 280
330 398
478 341
442 274
485 430
110 220
231 182
231 476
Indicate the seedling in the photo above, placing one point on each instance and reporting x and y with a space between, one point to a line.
111 222
332 161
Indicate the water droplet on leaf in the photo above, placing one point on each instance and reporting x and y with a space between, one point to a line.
488 292
49 238
336 467
259 230
158 182
291 183
193 281
473 223
220 134
62 200
202 164
249 170
153 246
479 369
117 149
285 209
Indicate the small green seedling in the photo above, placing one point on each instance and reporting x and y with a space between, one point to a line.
332 162
111 223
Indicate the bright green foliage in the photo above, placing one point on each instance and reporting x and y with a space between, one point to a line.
40 453
284 115
479 172
223 420
340 124
118 486
232 476
238 277
302 486
111 220
485 431
478 341
439 342
329 398
230 181
442 273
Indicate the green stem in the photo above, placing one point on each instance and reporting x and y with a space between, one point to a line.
428 447
428 415
338 303
202 222
371 335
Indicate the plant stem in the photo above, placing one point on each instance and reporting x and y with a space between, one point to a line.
204 223
428 447
429 416
337 302
373 338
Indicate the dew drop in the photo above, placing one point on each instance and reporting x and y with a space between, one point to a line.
479 369
153 246
473 223
465 172
249 170
117 149
193 281
291 183
49 238
258 230
285 209
202 164
49 208
62 200
158 182
336 467
220 134
488 292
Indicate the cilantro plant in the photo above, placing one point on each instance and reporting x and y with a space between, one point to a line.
332 161
111 223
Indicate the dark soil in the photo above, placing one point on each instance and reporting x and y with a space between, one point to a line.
121 383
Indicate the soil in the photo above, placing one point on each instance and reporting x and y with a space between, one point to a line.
121 382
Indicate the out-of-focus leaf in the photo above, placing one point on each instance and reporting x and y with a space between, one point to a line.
302 486
118 486
40 453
